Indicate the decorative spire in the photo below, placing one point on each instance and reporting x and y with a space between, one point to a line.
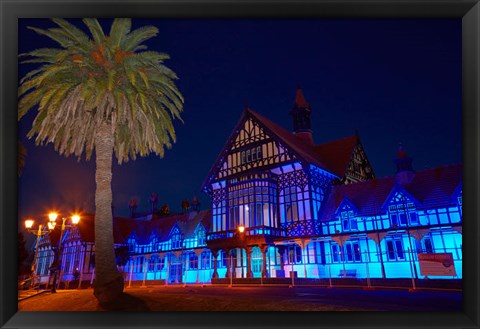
300 101
301 116
403 162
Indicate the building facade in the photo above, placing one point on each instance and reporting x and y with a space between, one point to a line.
283 205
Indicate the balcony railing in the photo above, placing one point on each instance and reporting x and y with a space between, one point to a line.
250 231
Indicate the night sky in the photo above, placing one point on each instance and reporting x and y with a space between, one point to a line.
393 80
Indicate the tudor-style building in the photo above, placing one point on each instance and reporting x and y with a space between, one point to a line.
273 183
282 204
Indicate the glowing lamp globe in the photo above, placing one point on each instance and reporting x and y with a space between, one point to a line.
241 228
52 216
29 223
75 219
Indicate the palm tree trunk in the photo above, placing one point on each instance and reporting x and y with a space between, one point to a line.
109 281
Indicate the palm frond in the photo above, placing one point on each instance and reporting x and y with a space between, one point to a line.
120 28
136 37
95 29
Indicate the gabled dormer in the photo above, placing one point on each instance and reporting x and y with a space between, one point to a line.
200 235
346 212
176 238
132 241
401 207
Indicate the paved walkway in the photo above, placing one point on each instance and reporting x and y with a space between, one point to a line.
214 298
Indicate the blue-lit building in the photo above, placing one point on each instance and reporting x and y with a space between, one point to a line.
283 205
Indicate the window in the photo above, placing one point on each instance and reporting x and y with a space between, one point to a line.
352 252
399 215
176 240
251 155
201 237
336 253
151 263
395 250
192 261
131 244
259 153
294 254
427 245
205 260
291 204
222 259
349 223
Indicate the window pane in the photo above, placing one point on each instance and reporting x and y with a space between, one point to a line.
413 218
399 247
349 252
390 250
403 219
356 252
428 246
335 253
394 219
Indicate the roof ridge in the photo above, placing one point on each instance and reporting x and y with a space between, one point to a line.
336 140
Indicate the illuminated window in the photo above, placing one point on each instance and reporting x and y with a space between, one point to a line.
192 261
205 260
131 244
251 155
336 253
395 249
152 262
201 241
349 223
352 252
176 240
294 254
427 245
401 210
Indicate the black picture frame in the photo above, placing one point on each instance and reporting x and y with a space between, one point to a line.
11 11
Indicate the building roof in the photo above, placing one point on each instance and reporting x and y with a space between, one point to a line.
123 228
332 156
430 188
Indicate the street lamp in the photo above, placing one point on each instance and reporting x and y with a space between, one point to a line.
57 264
39 232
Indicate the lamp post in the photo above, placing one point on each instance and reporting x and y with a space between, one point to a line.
39 232
57 266
240 229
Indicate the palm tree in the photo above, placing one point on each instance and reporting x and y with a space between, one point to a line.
104 93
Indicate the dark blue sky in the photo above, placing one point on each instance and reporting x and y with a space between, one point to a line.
394 80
